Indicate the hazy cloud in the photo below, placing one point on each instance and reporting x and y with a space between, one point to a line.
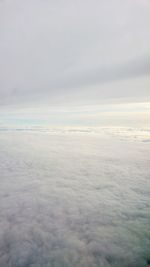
48 48
71 200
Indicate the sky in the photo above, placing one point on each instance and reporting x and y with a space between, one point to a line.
73 55
74 192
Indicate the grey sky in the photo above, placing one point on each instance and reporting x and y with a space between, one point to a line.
52 49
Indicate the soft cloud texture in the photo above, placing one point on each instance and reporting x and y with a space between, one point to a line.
71 200
72 193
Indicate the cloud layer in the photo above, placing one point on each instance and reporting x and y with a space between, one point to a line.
73 201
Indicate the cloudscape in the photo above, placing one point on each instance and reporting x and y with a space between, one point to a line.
53 49
74 133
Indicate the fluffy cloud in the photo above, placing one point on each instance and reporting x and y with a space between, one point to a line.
73 200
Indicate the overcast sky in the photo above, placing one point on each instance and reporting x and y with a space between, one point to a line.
65 50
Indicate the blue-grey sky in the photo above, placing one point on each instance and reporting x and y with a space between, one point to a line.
69 52
71 62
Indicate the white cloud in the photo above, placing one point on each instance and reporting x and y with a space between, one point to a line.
73 200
